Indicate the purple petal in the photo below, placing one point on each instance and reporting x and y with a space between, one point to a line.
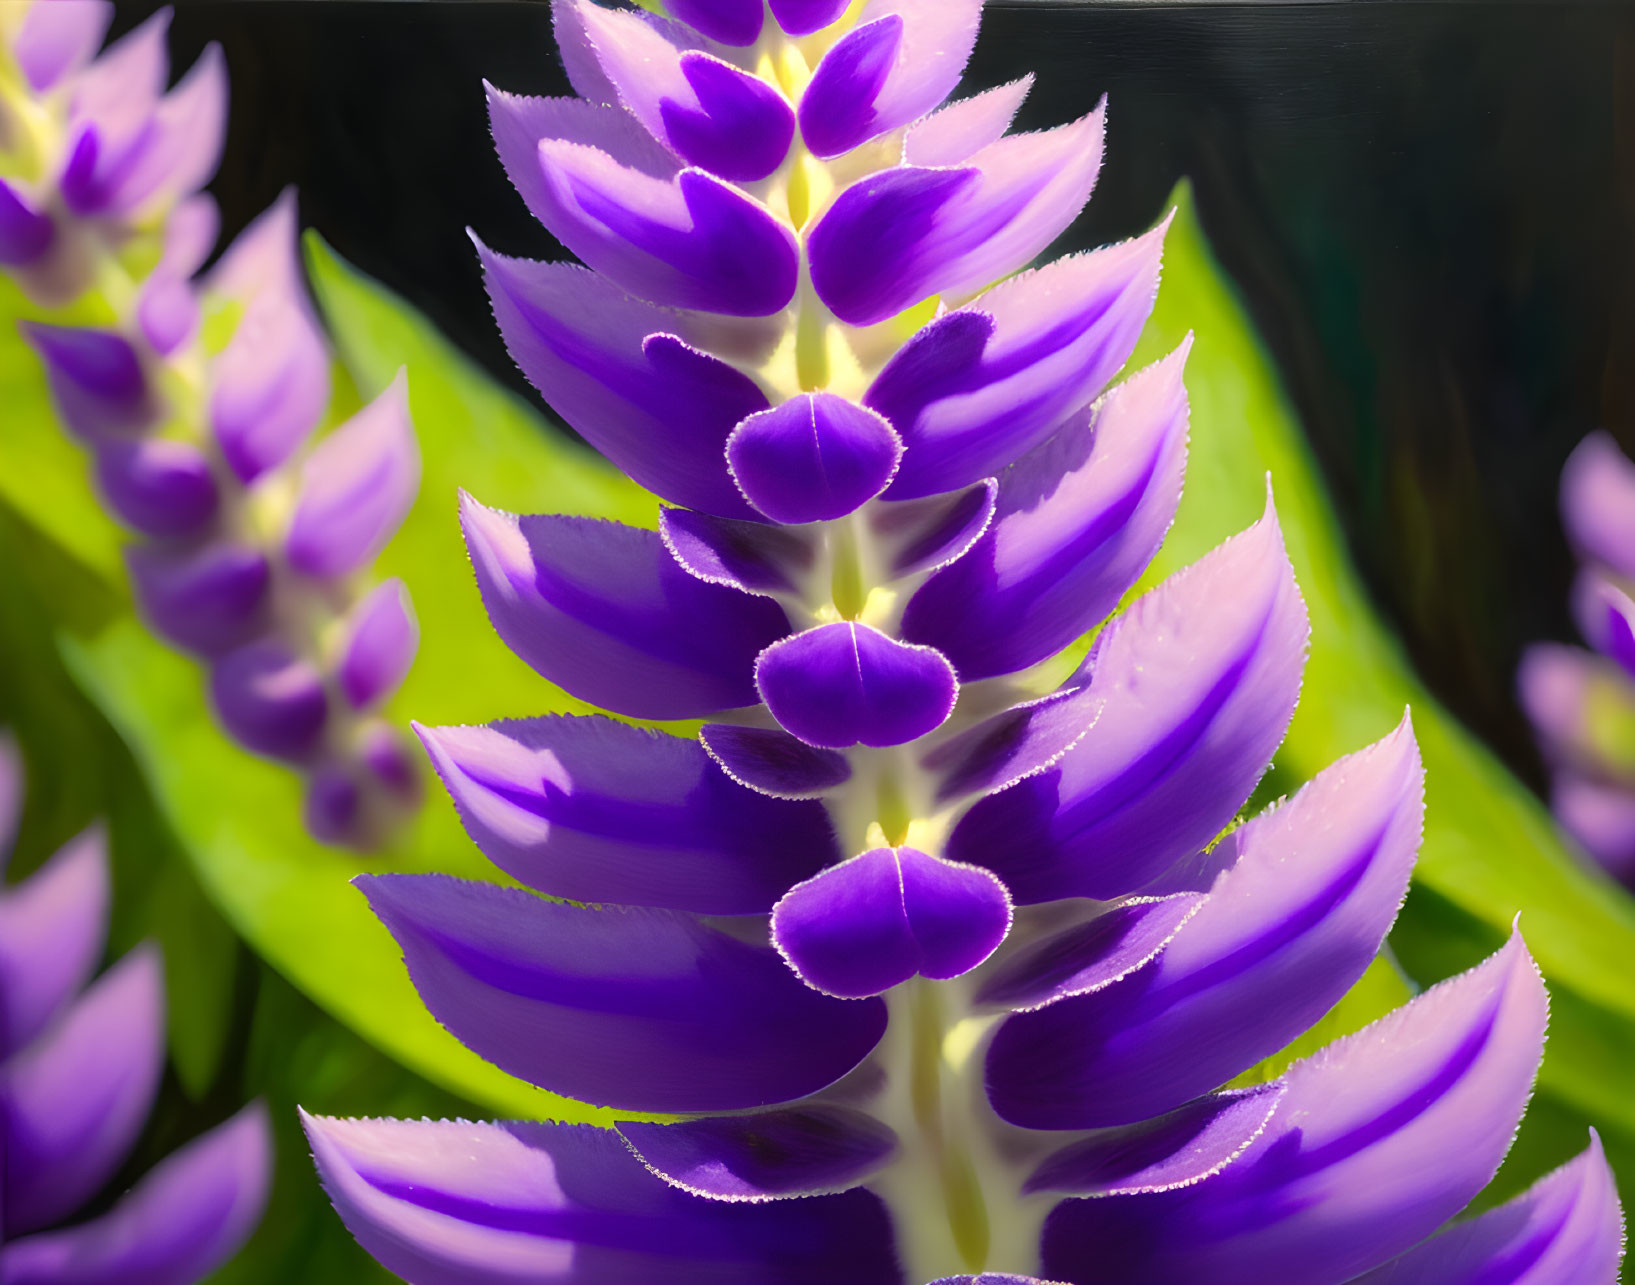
922 535
1279 940
763 1157
206 600
451 1203
732 22
1379 1139
1012 745
96 379
773 762
1557 685
603 611
1598 503
641 1010
656 406
981 386
56 40
1186 1146
1619 631
1601 817
1200 678
901 60
385 752
382 637
955 133
72 1103
25 234
161 487
167 311
177 152
186 1218
270 700
814 458
992 1278
1088 956
897 237
845 684
332 809
753 557
356 487
1567 1227
111 114
861 927
593 810
52 929
803 17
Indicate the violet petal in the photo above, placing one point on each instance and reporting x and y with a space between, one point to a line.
382 637
814 458
755 557
770 761
159 486
270 700
206 600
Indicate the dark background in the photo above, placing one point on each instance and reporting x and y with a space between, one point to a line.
1430 209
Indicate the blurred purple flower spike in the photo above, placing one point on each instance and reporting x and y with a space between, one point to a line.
943 947
202 406
79 1066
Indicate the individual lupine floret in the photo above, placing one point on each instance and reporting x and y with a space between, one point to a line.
935 925
199 404
1582 703
79 1066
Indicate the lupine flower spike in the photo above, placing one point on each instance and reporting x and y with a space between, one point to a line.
199 399
79 1066
1582 703
928 945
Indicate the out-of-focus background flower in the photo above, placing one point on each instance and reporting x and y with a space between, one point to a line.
1427 215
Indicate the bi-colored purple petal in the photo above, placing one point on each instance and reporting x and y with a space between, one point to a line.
732 22
161 487
1012 745
355 488
601 610
1619 631
641 1010
72 1102
270 700
1280 938
766 1156
1379 1139
1089 956
814 458
901 60
1567 1229
755 557
803 17
96 379
597 811
175 153
846 684
919 536
206 600
655 405
771 761
863 926
1189 1144
897 237
52 929
1200 678
381 640
1598 503
453 1203
957 132
181 1222
25 234
56 40
979 387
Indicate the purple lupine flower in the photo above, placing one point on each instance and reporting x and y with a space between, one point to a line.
1582 702
931 945
79 1065
200 403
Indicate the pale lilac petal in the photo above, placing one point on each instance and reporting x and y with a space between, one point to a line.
206 600
1379 1139
766 1156
803 17
814 458
167 311
57 39
25 233
110 114
861 927
895 238
845 684
453 1203
1567 1229
1555 684
770 761
604 612
185 1219
1601 817
179 151
1598 503
597 811
1200 678
1077 522
955 133
981 386
654 404
190 234
52 929
1280 938
160 487
382 638
755 557
641 1010
73 1102
1012 745
355 488
732 22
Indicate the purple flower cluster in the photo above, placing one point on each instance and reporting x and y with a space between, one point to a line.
78 1072
930 938
1582 703
199 400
